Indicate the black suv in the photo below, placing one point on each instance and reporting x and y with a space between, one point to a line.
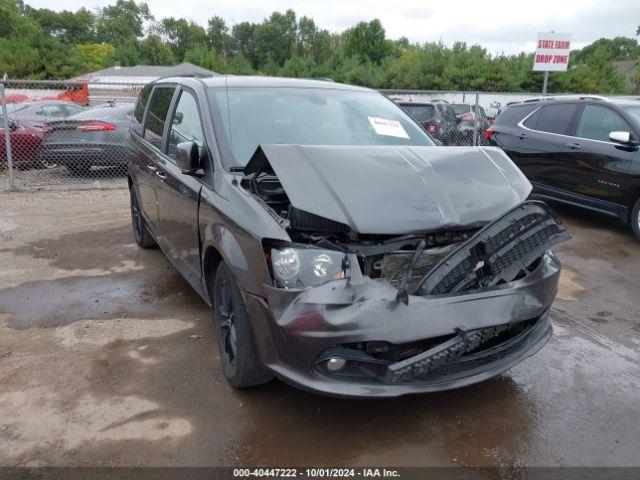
341 250
578 150
437 118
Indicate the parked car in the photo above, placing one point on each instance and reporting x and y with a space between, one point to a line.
578 150
471 120
25 144
437 118
97 136
37 113
341 250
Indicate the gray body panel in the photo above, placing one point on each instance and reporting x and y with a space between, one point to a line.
397 190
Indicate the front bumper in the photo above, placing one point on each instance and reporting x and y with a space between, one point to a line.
294 329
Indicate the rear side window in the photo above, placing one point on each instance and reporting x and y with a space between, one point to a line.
138 112
421 113
158 109
597 122
556 118
512 114
52 111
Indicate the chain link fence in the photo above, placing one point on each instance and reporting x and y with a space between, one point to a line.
61 134
75 135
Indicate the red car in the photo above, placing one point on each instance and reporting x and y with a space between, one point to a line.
25 144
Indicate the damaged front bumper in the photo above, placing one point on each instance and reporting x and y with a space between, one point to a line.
427 342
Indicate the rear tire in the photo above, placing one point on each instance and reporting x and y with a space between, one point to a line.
79 170
635 219
46 164
240 362
140 232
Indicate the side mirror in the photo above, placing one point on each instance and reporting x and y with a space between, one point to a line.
188 157
623 138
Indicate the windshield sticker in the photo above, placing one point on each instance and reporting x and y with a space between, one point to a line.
390 128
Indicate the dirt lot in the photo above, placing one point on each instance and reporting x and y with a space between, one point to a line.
107 357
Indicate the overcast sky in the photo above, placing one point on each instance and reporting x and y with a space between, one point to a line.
498 25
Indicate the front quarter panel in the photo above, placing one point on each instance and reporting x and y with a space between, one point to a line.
234 223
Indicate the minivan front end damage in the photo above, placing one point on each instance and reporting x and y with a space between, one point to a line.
452 304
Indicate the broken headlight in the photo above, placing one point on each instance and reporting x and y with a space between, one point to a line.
300 266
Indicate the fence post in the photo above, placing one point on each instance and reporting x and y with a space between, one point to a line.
475 120
7 137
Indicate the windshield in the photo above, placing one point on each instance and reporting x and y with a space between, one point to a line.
422 113
634 112
250 117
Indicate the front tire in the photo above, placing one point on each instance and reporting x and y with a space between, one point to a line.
238 354
140 232
635 219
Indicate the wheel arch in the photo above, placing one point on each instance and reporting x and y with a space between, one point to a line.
210 261
633 198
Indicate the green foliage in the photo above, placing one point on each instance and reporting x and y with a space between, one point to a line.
218 36
239 65
367 41
204 57
299 66
155 52
182 35
122 23
42 43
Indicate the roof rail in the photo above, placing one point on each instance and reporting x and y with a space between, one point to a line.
188 75
551 98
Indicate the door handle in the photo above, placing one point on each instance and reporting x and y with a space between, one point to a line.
574 146
151 167
161 175
521 135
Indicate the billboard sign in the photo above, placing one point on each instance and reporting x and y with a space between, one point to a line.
552 52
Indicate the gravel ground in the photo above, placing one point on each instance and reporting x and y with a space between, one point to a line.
108 358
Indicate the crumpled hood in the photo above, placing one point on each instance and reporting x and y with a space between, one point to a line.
397 189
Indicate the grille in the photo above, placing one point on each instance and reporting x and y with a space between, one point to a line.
393 265
498 253
508 343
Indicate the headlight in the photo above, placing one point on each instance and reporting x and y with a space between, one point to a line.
306 267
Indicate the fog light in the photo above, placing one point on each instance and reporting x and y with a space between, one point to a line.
336 364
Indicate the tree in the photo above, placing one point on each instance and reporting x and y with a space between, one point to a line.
275 38
69 27
204 57
618 48
182 35
122 23
297 66
243 42
15 24
93 56
367 41
18 60
218 36
597 74
313 41
239 65
126 55
155 52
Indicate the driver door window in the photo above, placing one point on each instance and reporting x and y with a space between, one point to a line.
597 122
185 124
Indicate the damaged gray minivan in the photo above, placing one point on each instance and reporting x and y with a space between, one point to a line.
341 250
